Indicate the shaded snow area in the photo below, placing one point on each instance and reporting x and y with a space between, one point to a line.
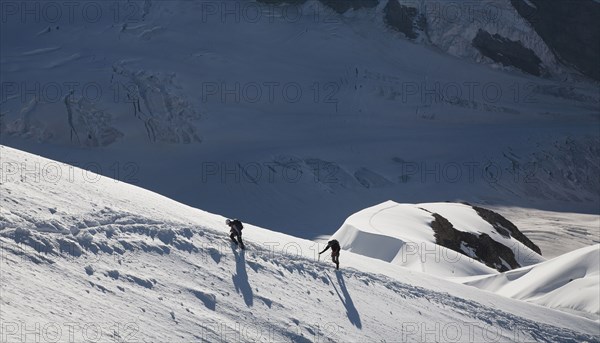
87 258
569 282
555 233
294 105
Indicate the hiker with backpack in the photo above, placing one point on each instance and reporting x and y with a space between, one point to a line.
235 231
335 252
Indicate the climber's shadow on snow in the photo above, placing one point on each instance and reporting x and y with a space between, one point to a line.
240 279
351 311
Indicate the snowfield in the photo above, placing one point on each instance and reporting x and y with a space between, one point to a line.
85 257
556 233
569 282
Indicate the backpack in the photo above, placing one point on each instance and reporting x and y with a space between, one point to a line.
237 224
334 244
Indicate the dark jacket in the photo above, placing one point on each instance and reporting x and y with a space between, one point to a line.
334 245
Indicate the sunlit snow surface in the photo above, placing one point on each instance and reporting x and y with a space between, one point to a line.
102 260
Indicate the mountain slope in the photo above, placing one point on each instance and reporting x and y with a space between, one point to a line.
264 110
93 258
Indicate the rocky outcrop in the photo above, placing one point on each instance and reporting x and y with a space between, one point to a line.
341 6
282 2
505 227
479 247
569 28
404 19
508 52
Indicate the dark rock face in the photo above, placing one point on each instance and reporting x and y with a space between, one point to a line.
569 28
508 52
341 6
505 227
282 2
404 19
486 250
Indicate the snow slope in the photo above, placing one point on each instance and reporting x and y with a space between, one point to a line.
402 234
569 282
85 257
